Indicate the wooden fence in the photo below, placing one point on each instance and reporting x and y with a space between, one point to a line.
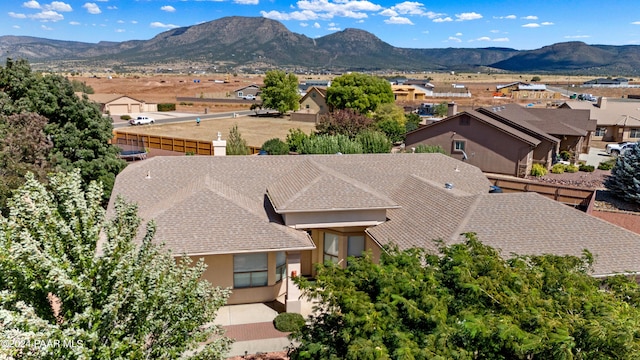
186 146
581 198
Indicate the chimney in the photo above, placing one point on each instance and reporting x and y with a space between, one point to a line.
452 109
602 102
219 146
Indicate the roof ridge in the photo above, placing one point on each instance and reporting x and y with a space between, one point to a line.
465 220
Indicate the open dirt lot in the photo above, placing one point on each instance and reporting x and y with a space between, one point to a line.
254 130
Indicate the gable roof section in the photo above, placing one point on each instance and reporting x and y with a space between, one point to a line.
107 98
252 86
314 89
563 121
311 187
516 116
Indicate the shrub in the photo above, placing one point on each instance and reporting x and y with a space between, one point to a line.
538 170
565 155
275 146
288 322
295 138
328 144
587 168
607 165
167 107
374 142
423 148
558 169
571 168
125 117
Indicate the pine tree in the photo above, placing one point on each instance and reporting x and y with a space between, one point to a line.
236 145
624 181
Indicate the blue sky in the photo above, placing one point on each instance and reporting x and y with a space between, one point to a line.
410 24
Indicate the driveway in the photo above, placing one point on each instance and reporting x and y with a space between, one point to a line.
595 157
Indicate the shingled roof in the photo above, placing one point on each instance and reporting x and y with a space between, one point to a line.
217 205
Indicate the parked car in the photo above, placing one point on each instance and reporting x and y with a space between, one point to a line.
619 149
249 97
141 120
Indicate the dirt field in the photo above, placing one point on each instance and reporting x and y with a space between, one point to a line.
254 130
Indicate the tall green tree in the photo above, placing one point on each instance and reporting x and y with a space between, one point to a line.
468 302
236 145
78 132
83 284
389 118
624 181
280 91
360 92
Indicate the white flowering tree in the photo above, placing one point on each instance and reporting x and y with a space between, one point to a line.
74 285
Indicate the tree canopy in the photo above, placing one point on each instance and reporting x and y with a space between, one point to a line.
280 91
468 302
74 135
360 92
78 282
624 181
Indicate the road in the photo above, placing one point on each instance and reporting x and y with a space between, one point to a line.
169 117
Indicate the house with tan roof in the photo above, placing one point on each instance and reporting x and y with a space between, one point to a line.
118 104
508 139
617 120
312 105
258 221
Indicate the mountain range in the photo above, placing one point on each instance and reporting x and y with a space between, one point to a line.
261 43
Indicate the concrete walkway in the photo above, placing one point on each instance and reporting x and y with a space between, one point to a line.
595 157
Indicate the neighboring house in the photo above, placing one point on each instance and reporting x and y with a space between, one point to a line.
117 104
312 105
252 89
618 120
304 86
257 221
604 82
521 90
408 92
508 139
453 91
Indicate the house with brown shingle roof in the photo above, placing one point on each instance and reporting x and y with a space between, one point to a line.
259 220
508 139
618 120
118 104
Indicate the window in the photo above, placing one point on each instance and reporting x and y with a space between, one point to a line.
458 145
331 247
634 133
281 265
250 270
600 131
355 246
306 106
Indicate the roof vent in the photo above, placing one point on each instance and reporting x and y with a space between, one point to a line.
148 174
448 186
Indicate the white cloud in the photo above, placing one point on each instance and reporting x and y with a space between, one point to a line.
577 36
494 31
17 15
134 22
168 8
546 23
16 26
454 39
59 6
74 23
47 16
304 24
504 39
459 34
483 38
247 2
439 20
388 12
316 25
31 4
530 17
120 30
92 8
112 8
158 24
296 15
334 29
120 21
398 20
46 28
468 16
635 23
508 17
531 25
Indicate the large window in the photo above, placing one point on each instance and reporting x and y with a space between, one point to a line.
331 247
281 266
634 133
355 246
250 270
600 131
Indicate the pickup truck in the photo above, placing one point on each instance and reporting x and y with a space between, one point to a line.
249 97
141 120
619 149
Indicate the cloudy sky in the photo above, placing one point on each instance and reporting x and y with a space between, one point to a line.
410 24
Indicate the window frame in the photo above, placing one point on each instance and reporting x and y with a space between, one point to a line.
634 133
598 129
335 258
281 267
456 149
258 275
